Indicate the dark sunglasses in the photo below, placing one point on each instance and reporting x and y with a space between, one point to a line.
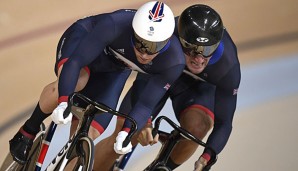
148 47
195 50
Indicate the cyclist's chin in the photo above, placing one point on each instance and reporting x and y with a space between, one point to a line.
195 70
143 61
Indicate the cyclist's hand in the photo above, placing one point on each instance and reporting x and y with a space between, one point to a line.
57 115
200 164
145 136
119 143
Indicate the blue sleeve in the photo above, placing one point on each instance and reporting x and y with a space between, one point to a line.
89 49
151 94
225 105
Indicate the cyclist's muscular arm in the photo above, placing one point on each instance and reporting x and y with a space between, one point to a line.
145 134
154 90
152 93
225 105
89 49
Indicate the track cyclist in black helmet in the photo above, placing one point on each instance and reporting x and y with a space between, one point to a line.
205 95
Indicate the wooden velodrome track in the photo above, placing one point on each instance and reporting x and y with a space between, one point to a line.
264 136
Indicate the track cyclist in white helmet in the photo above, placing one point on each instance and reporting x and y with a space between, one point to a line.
95 56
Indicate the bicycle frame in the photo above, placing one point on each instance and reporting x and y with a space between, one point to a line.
45 146
167 145
121 162
61 155
81 132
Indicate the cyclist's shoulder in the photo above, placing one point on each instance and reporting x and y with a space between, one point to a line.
121 17
173 55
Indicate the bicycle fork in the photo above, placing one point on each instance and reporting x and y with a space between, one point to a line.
60 155
67 150
164 154
45 146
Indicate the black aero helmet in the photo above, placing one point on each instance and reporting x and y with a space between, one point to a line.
200 29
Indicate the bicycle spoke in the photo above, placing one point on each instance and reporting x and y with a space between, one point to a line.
14 166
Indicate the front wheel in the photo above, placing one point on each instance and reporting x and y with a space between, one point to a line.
82 157
162 168
157 168
10 165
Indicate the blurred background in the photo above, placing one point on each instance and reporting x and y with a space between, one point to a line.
266 34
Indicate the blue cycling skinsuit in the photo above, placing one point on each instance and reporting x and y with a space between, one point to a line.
214 91
102 45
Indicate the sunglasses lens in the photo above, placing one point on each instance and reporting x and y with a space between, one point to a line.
148 47
194 50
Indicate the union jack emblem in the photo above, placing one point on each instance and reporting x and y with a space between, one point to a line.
156 14
235 91
167 86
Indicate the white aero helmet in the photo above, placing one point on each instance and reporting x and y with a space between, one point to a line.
153 23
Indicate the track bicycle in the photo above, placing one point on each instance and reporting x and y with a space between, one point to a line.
79 148
168 140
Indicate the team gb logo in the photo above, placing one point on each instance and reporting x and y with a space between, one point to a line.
156 14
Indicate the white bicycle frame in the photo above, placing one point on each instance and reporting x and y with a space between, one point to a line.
60 155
